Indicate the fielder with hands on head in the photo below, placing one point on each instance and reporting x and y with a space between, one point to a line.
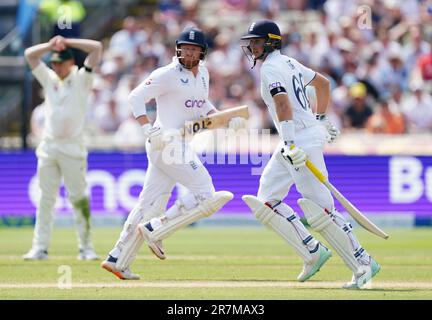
303 135
62 152
181 90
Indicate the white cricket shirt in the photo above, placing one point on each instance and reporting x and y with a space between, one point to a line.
282 71
179 95
65 102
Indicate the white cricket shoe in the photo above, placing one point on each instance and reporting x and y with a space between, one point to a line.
87 254
121 274
359 280
320 257
155 246
36 254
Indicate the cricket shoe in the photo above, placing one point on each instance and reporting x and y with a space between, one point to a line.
145 229
110 265
368 272
35 254
87 254
320 257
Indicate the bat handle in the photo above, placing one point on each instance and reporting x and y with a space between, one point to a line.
317 173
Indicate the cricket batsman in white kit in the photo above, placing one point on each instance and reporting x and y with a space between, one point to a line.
303 135
181 90
62 153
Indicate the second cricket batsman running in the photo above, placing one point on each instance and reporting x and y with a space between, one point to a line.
181 91
303 135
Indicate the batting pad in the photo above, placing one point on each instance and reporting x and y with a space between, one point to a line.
323 222
204 209
279 224
135 241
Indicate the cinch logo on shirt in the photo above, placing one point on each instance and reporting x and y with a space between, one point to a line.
194 103
275 85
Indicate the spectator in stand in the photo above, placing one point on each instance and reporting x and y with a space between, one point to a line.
128 39
359 111
386 120
108 117
424 64
224 59
417 108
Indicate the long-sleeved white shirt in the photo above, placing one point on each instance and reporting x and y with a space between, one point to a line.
179 95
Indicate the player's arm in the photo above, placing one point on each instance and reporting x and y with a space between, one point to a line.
285 114
290 152
35 53
147 90
277 87
92 47
143 120
322 91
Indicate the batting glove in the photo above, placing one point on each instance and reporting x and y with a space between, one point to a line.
332 131
295 155
237 123
155 136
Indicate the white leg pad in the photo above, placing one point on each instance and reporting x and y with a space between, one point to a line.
203 209
323 222
134 243
279 224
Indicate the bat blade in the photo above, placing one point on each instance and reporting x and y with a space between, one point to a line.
216 120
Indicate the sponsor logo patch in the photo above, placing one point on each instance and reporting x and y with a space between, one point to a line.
275 85
194 103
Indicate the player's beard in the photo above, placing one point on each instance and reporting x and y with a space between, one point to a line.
189 63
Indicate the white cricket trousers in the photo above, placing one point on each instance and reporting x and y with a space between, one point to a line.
177 163
57 160
279 175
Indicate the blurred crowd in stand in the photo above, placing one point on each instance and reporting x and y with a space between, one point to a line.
377 55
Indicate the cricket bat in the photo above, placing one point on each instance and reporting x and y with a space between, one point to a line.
350 208
215 120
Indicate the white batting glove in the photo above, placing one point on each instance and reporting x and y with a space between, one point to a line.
237 123
333 132
295 155
155 136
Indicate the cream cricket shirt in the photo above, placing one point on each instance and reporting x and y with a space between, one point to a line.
66 102
179 95
279 73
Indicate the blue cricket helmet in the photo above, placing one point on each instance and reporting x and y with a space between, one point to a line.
268 30
192 36
265 29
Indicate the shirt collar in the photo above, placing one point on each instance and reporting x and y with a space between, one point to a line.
73 71
273 54
176 61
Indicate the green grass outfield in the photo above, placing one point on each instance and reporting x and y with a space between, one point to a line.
214 263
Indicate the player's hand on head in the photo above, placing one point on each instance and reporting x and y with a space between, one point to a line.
237 123
58 43
295 155
333 132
